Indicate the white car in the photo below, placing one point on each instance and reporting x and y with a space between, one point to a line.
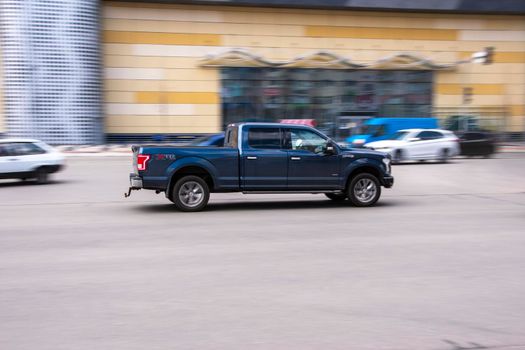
419 144
28 159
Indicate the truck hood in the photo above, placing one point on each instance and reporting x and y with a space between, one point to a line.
363 152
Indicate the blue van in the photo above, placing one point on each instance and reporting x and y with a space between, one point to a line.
377 129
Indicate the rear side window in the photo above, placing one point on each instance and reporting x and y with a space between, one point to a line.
430 135
25 149
264 138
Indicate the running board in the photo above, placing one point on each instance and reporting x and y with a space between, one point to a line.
292 191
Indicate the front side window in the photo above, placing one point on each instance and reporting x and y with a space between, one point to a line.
264 138
307 140
25 149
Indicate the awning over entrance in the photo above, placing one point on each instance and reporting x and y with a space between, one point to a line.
321 59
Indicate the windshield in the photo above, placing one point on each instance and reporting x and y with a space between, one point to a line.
399 135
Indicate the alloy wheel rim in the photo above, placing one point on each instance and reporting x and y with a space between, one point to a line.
191 193
365 190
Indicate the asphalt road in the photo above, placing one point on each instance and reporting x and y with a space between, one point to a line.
438 264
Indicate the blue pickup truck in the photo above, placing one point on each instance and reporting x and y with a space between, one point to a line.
262 158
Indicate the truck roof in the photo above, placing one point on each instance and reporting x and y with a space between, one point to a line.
280 125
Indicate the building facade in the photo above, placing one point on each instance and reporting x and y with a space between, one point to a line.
174 69
52 70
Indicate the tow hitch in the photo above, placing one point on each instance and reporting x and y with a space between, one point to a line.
126 195
136 184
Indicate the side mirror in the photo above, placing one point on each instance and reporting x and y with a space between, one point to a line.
413 139
330 149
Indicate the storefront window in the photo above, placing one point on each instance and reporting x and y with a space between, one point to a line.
331 97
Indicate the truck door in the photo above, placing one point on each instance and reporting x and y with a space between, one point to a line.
309 167
264 160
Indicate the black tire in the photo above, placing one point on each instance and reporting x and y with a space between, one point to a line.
41 176
185 194
336 197
398 156
370 196
444 155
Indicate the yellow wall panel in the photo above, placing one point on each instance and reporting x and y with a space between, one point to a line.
116 61
453 77
162 129
163 85
119 37
517 110
117 49
176 97
477 89
201 27
515 99
516 123
207 109
381 33
118 97
160 120
499 68
517 23
493 35
192 74
477 100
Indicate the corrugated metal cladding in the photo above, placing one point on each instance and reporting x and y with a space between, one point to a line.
51 65
461 6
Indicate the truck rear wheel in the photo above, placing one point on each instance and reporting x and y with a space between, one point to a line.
364 190
190 193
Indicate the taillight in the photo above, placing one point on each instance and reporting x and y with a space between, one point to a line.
142 161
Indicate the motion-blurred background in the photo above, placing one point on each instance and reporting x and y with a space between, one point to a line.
94 72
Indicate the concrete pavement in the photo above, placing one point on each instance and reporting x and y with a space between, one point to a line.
438 264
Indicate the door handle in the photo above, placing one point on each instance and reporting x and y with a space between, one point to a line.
251 158
295 158
13 159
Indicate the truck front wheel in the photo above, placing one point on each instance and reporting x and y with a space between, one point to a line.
364 190
190 193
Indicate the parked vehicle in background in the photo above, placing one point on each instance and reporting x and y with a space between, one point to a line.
214 140
377 129
28 159
461 123
262 158
477 143
419 144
